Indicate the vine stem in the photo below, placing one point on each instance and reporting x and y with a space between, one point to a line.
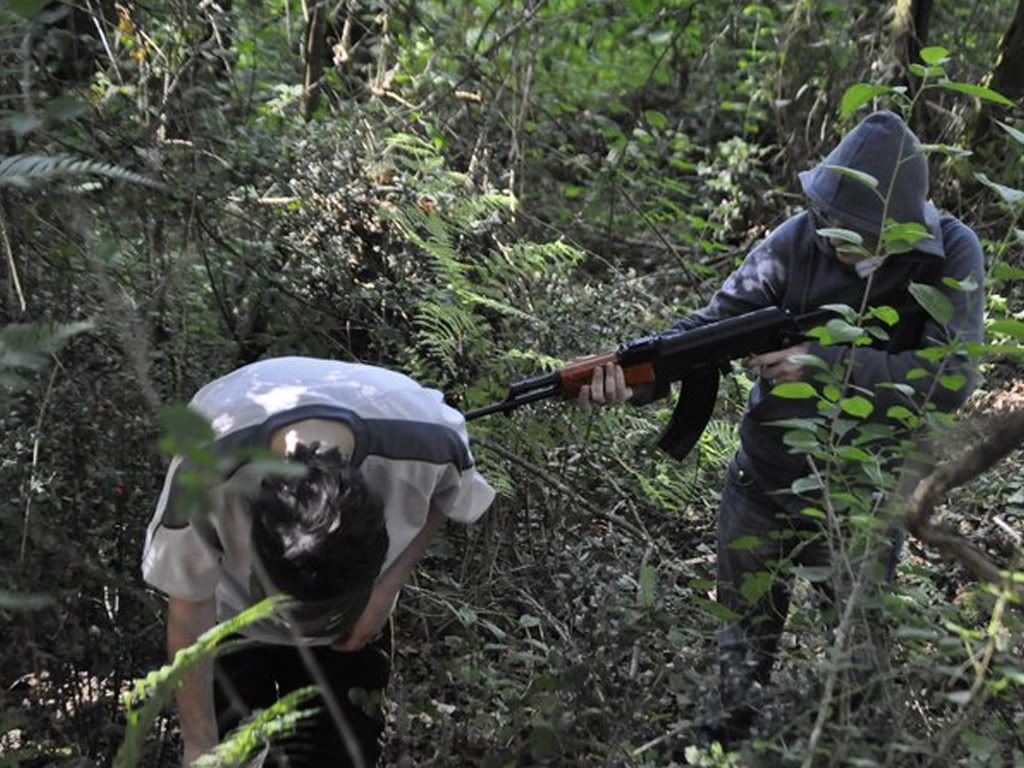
10 260
35 465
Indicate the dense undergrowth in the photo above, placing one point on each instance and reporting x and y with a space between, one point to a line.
482 190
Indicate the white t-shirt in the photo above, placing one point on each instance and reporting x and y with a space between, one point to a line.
410 447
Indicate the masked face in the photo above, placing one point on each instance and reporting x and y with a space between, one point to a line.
847 253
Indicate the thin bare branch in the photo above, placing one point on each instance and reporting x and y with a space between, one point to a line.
1004 438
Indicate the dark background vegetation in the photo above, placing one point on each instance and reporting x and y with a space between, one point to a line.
465 191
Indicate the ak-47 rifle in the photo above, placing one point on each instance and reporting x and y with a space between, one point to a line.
694 358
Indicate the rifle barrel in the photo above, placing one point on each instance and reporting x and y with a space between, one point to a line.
514 401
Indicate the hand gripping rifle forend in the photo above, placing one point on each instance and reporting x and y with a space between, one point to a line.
565 382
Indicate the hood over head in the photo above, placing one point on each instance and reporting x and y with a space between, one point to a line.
883 146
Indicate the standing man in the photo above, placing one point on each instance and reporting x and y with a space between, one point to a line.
380 464
799 270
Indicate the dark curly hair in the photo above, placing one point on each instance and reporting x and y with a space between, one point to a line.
321 539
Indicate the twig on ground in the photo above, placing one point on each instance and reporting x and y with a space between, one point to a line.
563 488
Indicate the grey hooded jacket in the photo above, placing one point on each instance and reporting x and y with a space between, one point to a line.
796 269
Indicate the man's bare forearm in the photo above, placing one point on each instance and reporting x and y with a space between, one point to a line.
186 621
398 572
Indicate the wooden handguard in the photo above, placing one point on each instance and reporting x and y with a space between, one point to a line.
581 372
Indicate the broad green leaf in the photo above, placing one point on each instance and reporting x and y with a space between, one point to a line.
944 149
849 313
903 389
933 354
794 390
716 609
933 301
656 119
526 621
859 176
831 392
805 485
184 426
1014 134
807 424
934 54
910 232
859 94
978 91
701 585
1010 196
809 361
812 573
842 332
1002 272
266 467
755 586
852 453
812 512
966 285
857 406
801 440
838 233
935 70
953 382
744 542
841 501
1010 327
886 314
902 414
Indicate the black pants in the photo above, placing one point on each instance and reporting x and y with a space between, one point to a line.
759 540
254 678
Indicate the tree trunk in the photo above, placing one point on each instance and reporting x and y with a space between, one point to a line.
1008 75
910 25
314 50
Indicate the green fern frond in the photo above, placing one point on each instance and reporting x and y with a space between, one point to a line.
718 442
533 259
445 331
28 347
500 479
155 689
279 719
433 236
24 170
474 298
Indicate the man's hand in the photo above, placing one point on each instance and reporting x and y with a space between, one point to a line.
777 367
607 386
382 598
373 618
